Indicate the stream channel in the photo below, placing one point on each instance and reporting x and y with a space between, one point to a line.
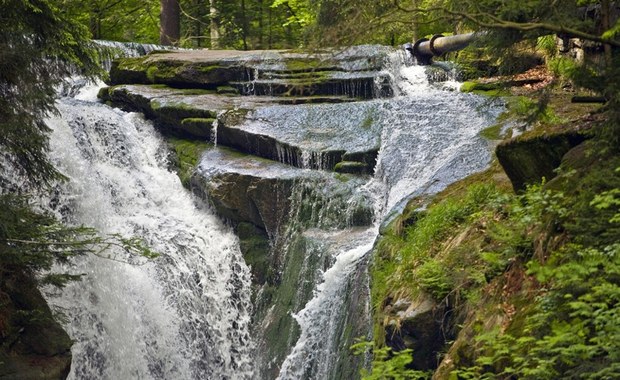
198 310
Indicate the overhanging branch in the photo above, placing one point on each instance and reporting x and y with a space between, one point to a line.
489 21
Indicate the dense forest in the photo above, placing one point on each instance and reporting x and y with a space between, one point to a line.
558 239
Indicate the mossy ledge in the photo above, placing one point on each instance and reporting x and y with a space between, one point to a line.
527 160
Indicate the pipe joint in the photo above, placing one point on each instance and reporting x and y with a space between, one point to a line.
431 45
422 58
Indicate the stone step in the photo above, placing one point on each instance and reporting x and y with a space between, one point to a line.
304 135
246 188
352 71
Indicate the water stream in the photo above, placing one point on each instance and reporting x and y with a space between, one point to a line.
187 314
430 138
183 315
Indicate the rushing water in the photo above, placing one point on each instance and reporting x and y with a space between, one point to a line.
430 138
183 315
187 314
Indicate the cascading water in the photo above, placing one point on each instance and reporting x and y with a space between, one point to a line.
182 315
429 139
187 314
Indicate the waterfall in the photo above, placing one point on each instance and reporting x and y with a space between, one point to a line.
182 315
429 140
188 313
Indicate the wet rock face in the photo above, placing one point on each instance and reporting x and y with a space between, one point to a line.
32 344
274 104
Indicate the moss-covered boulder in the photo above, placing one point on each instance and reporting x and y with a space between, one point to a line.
32 344
416 325
169 69
353 72
527 160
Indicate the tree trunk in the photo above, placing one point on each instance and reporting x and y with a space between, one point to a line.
214 23
414 27
260 24
170 23
244 25
606 24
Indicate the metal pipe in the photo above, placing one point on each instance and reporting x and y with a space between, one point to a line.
425 49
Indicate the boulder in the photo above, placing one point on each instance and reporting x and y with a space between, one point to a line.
33 345
527 160
416 325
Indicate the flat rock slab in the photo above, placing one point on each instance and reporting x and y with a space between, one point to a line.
316 136
355 71
246 188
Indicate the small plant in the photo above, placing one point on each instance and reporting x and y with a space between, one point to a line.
387 364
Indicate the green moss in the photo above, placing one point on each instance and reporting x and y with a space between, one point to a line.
342 177
305 64
477 86
104 93
132 63
208 69
199 127
177 111
352 167
151 71
492 132
227 90
255 247
368 122
188 153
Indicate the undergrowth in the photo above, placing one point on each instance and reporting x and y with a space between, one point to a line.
560 318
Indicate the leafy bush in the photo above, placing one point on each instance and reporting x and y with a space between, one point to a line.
388 365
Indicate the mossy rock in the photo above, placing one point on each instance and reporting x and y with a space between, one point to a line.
478 86
493 132
32 344
351 167
186 156
255 247
199 127
417 325
529 160
128 70
172 115
176 73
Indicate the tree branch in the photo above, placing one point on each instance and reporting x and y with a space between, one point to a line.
486 20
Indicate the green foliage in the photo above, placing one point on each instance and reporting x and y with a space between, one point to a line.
128 20
32 241
433 279
413 262
388 365
526 112
571 327
40 47
573 331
